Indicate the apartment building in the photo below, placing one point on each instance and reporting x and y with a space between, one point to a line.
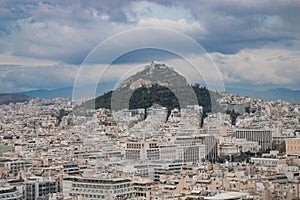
39 189
15 166
10 193
97 188
142 151
292 145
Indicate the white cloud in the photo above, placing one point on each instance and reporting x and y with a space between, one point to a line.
18 78
181 25
262 66
53 32
8 59
275 67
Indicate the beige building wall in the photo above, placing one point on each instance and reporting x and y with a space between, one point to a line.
292 145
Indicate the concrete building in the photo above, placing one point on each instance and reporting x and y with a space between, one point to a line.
263 137
228 149
168 152
10 193
143 188
229 195
268 162
39 189
142 151
71 169
154 169
184 148
191 153
97 188
292 145
15 166
190 149
231 146
211 146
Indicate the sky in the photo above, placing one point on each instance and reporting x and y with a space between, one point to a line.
254 44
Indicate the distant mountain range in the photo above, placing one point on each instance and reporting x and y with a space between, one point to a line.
50 94
64 92
13 98
292 96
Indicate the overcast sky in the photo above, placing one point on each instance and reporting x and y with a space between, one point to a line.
255 44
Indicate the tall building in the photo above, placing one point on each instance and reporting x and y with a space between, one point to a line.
263 137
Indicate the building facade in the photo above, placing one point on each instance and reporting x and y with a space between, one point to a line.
39 189
97 188
292 145
10 193
263 137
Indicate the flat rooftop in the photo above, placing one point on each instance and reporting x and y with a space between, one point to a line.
228 195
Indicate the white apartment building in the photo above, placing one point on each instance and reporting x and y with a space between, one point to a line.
10 193
268 162
142 151
40 188
15 166
153 169
97 188
184 148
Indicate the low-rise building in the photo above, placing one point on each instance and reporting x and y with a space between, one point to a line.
269 162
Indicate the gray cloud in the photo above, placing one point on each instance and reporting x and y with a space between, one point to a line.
24 78
234 25
65 32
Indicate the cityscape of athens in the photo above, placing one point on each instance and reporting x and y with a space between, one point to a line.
149 100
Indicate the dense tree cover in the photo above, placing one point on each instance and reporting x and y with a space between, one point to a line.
61 114
145 97
233 116
280 147
104 100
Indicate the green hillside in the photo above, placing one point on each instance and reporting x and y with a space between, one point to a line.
145 97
